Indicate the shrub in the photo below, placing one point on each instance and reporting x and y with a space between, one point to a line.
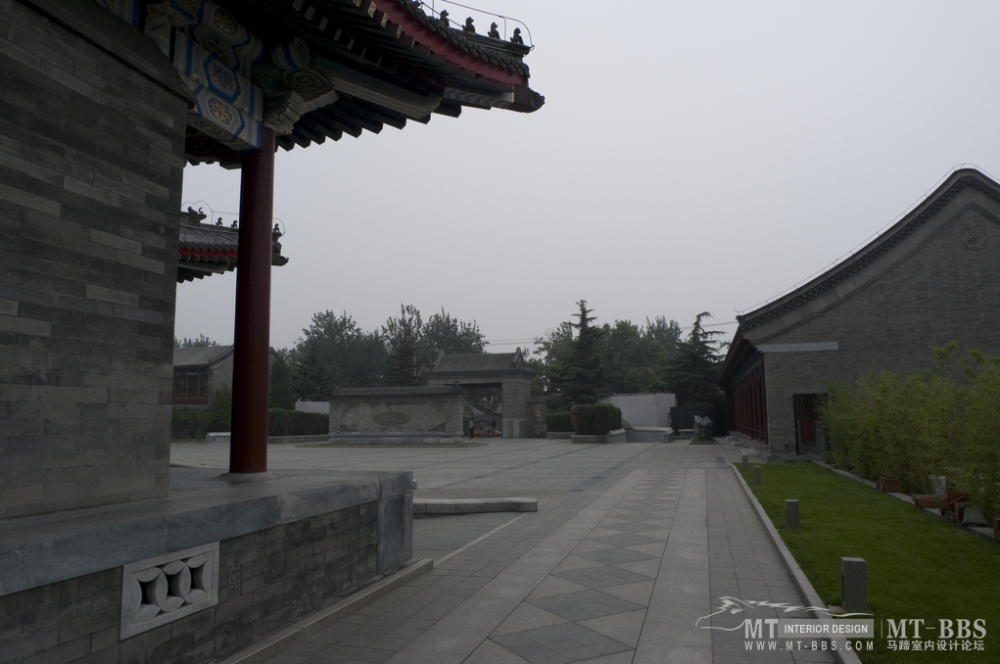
909 427
892 425
295 423
189 422
595 419
559 421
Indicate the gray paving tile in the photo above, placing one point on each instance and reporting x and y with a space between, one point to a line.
622 627
559 644
585 604
633 527
615 556
601 577
671 533
625 539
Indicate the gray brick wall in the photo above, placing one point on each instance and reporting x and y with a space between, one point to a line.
930 290
283 573
91 162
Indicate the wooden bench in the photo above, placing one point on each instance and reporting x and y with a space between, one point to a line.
951 505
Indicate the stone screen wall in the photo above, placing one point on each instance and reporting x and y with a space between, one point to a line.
439 414
91 161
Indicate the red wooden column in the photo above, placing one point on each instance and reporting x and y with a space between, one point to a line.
248 445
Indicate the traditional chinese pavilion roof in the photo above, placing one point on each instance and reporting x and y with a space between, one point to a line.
206 249
319 69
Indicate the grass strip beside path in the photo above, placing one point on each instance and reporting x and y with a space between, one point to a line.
919 567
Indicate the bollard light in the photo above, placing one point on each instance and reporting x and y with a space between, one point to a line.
854 584
792 514
756 474
746 459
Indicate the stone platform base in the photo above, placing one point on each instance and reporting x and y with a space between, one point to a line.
200 574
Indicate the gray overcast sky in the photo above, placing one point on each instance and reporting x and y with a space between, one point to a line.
690 156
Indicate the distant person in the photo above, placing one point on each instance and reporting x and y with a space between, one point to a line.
472 428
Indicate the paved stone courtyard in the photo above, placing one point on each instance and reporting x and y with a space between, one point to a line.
631 545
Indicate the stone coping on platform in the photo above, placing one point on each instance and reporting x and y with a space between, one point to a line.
615 436
435 506
399 438
203 507
649 435
224 437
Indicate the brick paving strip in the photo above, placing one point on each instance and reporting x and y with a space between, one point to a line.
617 568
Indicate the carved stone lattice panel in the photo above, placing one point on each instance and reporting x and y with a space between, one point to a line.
166 588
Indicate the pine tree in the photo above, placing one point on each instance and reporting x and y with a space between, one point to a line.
692 373
581 378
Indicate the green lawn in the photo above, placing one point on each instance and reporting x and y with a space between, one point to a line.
919 567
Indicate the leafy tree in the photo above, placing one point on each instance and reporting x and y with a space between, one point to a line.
403 338
581 378
441 332
334 351
202 340
633 361
553 352
692 373
667 334
280 393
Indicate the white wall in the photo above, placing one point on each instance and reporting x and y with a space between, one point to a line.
313 407
644 410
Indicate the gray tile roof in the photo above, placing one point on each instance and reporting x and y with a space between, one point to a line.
479 363
418 391
196 356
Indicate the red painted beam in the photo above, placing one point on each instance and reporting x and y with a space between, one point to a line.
248 444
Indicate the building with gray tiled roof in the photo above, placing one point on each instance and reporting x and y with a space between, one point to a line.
930 278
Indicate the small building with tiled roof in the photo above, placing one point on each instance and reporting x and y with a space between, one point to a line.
932 277
199 371
508 371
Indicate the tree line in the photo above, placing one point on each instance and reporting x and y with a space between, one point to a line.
576 362
582 362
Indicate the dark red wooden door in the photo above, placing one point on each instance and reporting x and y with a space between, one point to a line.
806 421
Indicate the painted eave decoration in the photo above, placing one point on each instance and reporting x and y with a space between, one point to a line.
319 69
207 249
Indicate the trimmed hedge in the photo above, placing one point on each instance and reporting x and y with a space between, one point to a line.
190 422
595 419
197 422
559 421
296 423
